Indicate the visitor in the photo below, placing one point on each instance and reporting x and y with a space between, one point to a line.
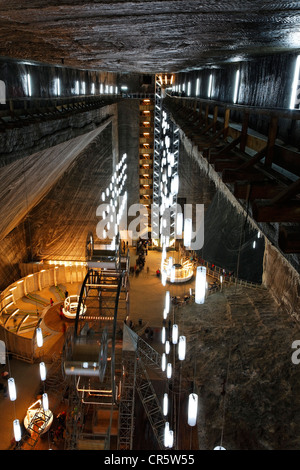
51 302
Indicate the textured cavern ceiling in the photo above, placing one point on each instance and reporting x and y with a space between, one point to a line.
146 36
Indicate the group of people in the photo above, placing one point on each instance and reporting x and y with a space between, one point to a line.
141 251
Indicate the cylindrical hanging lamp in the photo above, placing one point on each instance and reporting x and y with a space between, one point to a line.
43 372
165 404
169 370
187 236
175 334
192 409
200 285
45 402
12 389
163 362
17 430
39 337
181 348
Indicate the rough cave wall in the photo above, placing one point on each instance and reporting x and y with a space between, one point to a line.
16 143
48 174
264 82
227 232
43 79
13 250
60 223
282 280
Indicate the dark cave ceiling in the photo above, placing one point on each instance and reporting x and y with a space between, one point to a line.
146 36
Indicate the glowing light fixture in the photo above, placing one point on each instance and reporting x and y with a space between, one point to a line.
200 285
43 373
295 85
166 434
17 430
12 389
209 86
192 409
175 334
57 86
169 370
181 348
187 238
167 302
179 224
39 337
219 448
163 362
29 85
197 86
167 347
165 404
163 335
236 86
45 401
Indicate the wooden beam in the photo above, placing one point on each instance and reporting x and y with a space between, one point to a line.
257 157
226 122
230 176
221 164
273 127
269 212
287 193
289 239
230 146
244 132
264 190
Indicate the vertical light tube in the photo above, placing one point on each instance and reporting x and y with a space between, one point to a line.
200 285
43 373
181 348
29 91
163 335
166 434
192 409
295 83
197 86
175 334
171 439
163 362
39 337
57 87
167 347
17 430
169 370
45 402
189 89
187 237
165 404
179 224
209 86
236 86
12 389
167 302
